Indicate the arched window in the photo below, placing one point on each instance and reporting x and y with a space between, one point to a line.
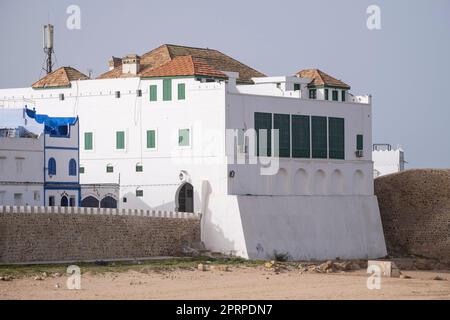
51 166
72 167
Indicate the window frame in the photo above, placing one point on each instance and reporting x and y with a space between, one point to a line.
91 134
167 89
190 138
313 94
181 88
335 95
124 140
155 130
72 167
336 139
51 167
316 151
283 152
298 152
153 92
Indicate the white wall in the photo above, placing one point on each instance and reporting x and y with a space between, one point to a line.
387 161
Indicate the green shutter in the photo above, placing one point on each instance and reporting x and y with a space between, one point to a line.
335 95
109 169
153 92
336 138
139 168
343 95
326 94
88 141
300 137
167 89
359 142
183 138
181 91
263 121
151 139
81 170
282 122
319 137
120 140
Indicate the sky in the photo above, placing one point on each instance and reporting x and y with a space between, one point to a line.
405 64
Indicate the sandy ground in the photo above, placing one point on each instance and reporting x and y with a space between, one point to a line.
239 283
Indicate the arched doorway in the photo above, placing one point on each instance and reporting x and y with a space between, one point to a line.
108 202
90 202
186 198
64 201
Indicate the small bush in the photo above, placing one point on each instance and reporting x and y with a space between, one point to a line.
281 256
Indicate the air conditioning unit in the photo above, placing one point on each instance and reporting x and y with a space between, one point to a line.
359 153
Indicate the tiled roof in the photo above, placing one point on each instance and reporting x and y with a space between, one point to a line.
61 77
320 78
167 52
184 66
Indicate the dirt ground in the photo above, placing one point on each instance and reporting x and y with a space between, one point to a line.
238 283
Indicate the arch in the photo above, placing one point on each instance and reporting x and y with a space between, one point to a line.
52 166
301 182
64 201
319 182
72 167
359 185
108 202
185 198
337 182
281 183
90 202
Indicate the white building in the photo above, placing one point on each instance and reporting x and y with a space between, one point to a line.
158 125
387 160
42 168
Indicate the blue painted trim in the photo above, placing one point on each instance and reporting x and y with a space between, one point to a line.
62 148
58 188
60 183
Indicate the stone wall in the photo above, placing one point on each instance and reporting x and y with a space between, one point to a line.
415 212
38 234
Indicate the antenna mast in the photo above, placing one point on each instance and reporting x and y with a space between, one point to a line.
48 47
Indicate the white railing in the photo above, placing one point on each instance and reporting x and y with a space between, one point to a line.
99 211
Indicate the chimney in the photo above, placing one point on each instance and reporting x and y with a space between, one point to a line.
131 64
114 62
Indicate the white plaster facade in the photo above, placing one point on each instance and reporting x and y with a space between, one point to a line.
387 160
310 208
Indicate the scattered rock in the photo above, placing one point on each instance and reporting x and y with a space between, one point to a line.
404 276
38 278
57 286
6 278
203 267
438 278
56 275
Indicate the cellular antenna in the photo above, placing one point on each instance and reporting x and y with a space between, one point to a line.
48 47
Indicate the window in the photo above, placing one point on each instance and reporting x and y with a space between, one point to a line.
120 140
282 123
72 201
326 94
139 167
335 95
51 201
52 166
167 89
109 168
181 91
139 192
88 145
124 200
301 136
151 139
72 167
343 95
297 86
17 199
81 170
336 138
36 196
183 137
263 121
319 137
312 93
359 142
153 92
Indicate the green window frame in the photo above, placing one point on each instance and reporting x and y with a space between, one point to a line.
120 140
319 137
139 167
151 139
88 141
343 95
167 89
263 121
81 170
139 193
181 91
312 93
109 168
334 94
336 138
282 122
326 94
359 142
184 137
153 92
301 143
297 86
